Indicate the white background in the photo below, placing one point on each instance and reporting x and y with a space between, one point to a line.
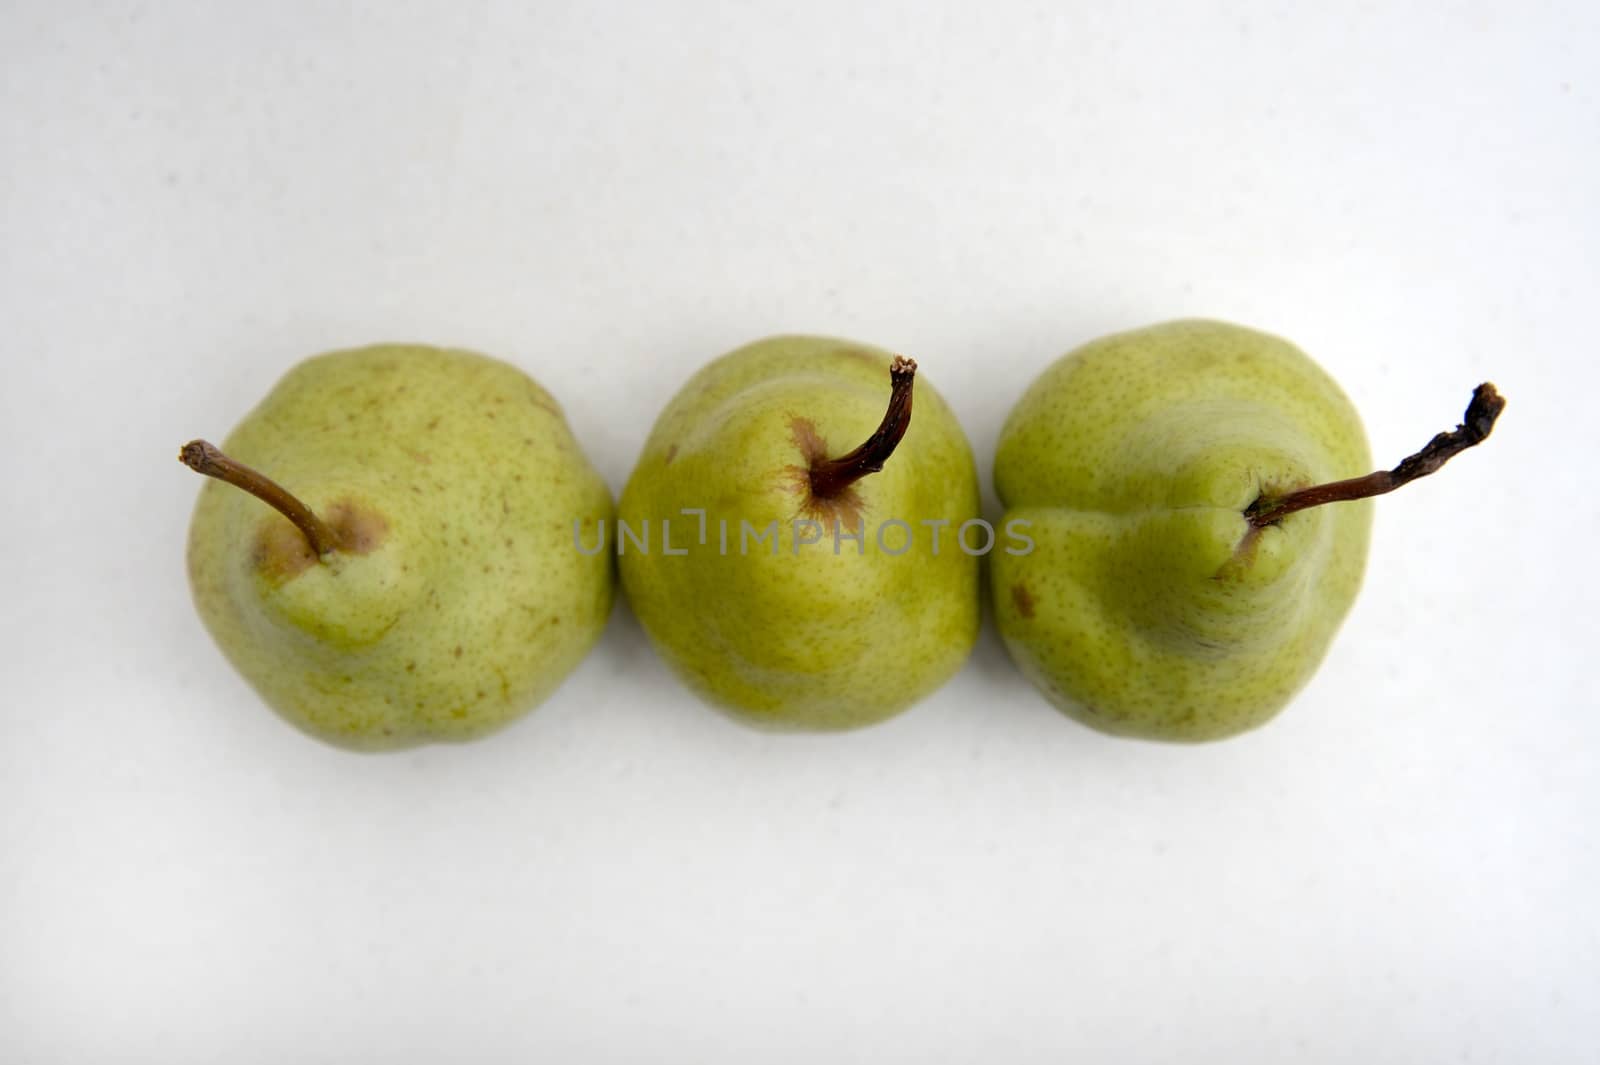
1400 868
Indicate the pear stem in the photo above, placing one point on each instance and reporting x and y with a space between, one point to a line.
208 459
1474 429
830 477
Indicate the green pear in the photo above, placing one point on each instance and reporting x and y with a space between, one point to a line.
1184 578
420 584
791 580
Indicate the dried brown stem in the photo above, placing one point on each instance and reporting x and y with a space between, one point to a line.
830 477
208 459
1474 429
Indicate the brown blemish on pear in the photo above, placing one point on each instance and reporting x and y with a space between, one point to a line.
1022 599
845 507
280 551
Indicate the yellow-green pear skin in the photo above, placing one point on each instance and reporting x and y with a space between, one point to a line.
469 604
1149 605
789 634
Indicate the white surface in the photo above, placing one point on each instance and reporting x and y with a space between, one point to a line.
1401 868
